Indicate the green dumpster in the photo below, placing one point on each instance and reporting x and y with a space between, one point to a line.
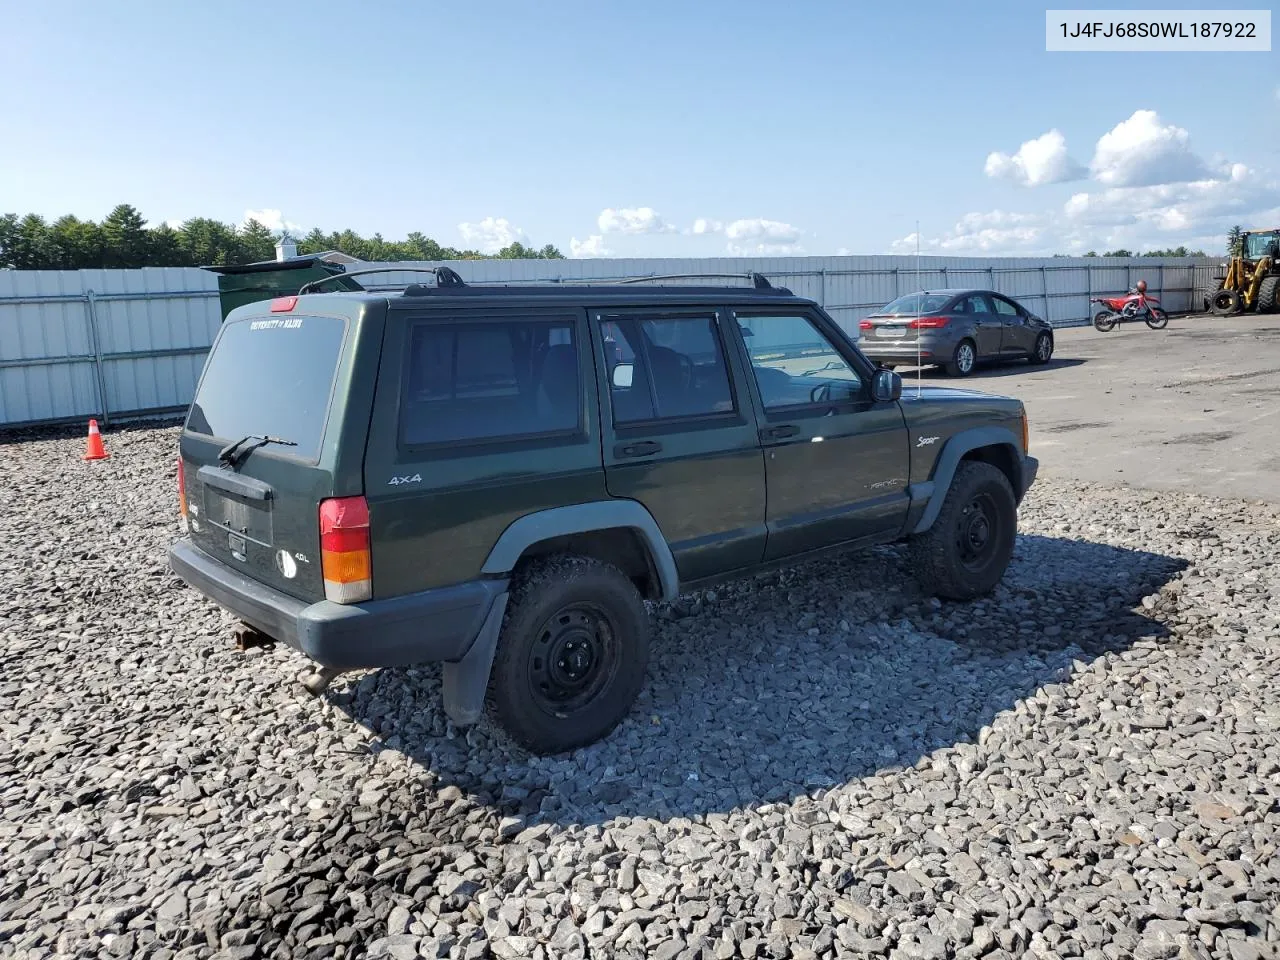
243 283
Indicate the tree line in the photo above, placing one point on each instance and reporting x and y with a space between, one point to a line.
123 240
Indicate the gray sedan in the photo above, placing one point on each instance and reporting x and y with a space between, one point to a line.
957 330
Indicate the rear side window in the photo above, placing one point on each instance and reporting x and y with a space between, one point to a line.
271 377
665 368
489 380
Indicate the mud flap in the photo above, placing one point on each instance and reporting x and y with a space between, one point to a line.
466 681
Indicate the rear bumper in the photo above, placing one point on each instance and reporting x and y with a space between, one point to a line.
897 351
434 625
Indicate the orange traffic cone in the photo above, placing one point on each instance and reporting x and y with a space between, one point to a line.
95 450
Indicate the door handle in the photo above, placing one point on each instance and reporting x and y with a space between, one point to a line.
779 433
641 448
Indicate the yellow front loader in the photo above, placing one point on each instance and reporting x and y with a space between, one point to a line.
1252 280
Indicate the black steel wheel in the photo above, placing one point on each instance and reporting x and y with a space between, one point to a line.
1157 319
1104 320
572 654
967 548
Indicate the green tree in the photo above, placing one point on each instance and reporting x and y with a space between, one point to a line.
1235 239
124 235
257 243
1119 253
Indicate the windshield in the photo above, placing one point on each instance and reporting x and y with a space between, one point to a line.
1258 245
917 303
270 377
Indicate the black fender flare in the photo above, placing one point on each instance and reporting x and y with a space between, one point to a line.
934 490
585 518
465 681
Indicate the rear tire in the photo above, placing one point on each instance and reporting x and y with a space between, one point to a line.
1225 302
968 548
1104 320
963 360
572 654
1268 293
1043 350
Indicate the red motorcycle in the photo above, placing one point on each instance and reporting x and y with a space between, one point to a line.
1136 305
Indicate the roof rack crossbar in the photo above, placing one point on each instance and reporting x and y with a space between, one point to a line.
759 281
445 276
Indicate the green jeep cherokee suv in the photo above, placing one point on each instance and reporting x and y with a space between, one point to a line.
498 477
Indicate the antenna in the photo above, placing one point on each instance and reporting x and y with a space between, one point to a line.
919 306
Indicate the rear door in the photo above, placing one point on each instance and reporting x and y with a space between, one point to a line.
484 414
986 324
1016 338
680 436
836 461
292 376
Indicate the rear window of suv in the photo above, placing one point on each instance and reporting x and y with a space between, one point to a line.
271 377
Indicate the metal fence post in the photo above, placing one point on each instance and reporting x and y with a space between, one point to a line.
1044 292
822 288
991 278
91 316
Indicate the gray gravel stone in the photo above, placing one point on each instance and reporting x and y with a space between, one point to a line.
822 763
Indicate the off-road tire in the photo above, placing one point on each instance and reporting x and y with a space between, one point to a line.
549 599
1225 302
1105 320
957 366
936 555
1040 353
1158 319
1268 291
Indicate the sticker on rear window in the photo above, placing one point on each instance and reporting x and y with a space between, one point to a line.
292 324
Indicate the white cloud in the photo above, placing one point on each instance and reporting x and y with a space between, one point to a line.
993 232
703 225
491 234
633 220
763 231
273 220
843 252
593 246
1142 151
1039 161
763 249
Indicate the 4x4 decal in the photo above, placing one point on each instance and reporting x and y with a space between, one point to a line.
397 481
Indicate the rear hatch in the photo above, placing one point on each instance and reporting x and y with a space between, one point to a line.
291 376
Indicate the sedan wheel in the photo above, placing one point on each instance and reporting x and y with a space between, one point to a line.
1043 349
964 359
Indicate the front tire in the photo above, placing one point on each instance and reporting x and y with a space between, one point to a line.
572 655
968 548
1268 294
963 360
1042 352
1158 319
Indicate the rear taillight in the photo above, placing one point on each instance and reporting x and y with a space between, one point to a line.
182 492
865 324
344 549
928 323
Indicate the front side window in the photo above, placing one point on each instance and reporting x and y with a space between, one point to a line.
1004 307
489 380
795 364
665 368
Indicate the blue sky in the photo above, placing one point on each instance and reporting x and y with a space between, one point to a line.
638 130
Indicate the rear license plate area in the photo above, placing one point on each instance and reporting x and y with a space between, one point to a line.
891 332
250 519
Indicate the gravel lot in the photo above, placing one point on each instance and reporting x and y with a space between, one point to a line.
823 763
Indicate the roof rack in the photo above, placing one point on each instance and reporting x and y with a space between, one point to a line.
445 276
758 280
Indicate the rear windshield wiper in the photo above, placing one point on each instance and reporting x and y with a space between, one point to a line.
233 453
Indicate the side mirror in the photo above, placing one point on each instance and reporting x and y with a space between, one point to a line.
622 375
886 386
